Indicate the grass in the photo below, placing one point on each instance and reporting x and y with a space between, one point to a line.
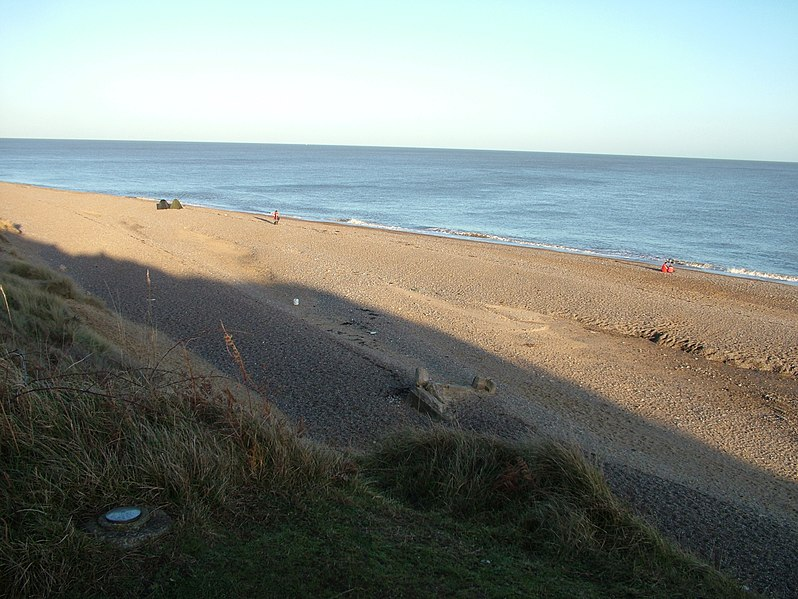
260 511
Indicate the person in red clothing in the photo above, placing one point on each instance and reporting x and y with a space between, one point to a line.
276 217
667 266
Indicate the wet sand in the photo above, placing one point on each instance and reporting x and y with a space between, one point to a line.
683 386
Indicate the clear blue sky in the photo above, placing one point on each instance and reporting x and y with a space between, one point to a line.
694 78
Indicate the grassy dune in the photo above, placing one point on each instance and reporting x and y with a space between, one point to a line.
96 413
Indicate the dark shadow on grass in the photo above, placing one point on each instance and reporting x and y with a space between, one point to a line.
341 381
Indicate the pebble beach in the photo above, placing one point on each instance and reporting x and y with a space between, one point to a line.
683 387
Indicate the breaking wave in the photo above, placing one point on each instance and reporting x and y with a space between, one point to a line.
503 240
744 272
362 223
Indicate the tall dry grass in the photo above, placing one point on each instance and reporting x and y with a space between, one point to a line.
81 431
547 496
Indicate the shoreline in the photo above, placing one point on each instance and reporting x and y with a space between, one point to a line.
495 240
685 386
708 268
475 237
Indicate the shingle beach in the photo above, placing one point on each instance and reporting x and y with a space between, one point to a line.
683 386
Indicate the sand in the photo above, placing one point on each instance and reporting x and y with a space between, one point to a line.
683 386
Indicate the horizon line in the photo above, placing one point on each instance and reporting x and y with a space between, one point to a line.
400 147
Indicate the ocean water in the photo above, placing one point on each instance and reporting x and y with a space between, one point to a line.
732 217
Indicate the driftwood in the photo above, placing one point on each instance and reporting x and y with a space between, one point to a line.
438 399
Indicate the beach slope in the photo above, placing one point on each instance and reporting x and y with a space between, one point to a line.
683 386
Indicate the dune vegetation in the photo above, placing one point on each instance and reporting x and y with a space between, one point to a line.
97 413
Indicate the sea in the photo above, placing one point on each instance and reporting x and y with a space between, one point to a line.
732 217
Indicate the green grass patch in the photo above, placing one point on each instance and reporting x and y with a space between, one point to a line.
357 545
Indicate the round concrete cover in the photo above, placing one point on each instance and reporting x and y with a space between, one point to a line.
121 515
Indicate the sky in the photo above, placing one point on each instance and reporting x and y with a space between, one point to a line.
700 78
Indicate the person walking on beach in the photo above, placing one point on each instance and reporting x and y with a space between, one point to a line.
276 217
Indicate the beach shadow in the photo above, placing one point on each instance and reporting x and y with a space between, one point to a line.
349 391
